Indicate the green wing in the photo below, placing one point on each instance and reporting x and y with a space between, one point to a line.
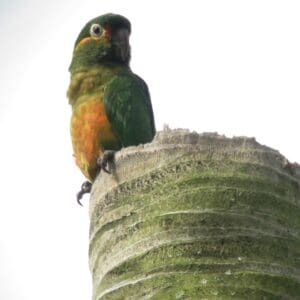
129 110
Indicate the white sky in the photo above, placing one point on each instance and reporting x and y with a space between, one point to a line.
226 66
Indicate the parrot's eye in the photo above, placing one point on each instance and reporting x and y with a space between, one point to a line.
96 31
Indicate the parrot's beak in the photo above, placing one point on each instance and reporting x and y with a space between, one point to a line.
120 41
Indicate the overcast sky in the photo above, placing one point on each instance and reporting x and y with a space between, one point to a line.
231 67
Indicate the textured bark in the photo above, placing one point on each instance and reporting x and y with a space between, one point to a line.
194 216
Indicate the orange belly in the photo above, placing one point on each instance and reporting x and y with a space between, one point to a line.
91 134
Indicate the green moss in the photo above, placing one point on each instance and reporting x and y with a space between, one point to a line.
212 254
213 229
247 285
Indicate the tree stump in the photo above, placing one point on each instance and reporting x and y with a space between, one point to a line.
196 216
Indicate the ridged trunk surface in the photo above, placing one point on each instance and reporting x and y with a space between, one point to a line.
193 216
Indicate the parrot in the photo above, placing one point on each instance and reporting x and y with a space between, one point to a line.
111 105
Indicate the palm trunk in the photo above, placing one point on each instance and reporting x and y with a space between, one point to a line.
194 216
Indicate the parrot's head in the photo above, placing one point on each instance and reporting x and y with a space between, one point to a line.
103 40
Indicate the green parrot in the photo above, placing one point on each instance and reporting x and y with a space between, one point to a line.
111 106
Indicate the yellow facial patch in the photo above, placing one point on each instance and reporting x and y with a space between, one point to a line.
82 42
105 37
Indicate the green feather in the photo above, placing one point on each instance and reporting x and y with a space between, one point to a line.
113 20
128 106
93 54
96 68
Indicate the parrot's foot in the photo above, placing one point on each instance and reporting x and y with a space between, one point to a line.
85 189
106 161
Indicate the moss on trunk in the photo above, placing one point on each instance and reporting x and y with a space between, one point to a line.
194 216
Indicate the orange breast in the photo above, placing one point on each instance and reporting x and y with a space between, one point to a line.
91 134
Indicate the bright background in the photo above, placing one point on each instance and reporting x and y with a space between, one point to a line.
226 66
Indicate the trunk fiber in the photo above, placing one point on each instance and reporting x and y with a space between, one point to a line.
194 216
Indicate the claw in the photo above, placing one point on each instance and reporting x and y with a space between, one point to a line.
106 161
85 188
102 165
